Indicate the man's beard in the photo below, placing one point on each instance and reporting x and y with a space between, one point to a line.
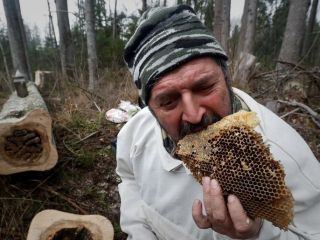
187 128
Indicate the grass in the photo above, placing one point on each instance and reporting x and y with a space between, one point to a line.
84 178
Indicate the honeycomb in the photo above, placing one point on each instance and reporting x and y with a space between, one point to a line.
234 154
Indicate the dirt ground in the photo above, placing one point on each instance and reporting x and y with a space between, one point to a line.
84 180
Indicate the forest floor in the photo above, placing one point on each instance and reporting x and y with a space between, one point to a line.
84 180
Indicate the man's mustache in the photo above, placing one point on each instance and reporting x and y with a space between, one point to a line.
187 128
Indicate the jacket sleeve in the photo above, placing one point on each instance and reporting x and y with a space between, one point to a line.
132 219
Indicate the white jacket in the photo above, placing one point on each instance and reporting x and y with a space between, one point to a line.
157 191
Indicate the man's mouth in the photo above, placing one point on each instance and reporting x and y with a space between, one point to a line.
187 128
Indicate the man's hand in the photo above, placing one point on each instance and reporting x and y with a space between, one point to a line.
228 219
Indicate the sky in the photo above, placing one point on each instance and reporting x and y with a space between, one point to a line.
35 12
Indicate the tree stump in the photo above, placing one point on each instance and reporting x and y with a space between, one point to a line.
57 225
26 141
244 68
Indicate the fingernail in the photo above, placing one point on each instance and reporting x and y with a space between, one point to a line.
248 221
214 183
231 198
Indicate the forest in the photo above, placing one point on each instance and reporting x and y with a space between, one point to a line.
74 79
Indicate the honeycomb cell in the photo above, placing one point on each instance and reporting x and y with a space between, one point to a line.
232 152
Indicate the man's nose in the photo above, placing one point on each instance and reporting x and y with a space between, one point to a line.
192 109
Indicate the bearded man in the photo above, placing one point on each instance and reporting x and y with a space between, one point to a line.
181 73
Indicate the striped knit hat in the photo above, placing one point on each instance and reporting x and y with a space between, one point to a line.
165 38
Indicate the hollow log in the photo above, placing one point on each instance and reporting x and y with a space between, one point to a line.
57 225
26 141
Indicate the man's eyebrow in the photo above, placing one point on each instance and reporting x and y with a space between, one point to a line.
203 80
165 95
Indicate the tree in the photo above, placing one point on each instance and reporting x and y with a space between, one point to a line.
17 38
248 26
91 44
221 24
310 27
144 6
293 36
66 45
114 25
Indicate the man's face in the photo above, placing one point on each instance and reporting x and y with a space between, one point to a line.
191 97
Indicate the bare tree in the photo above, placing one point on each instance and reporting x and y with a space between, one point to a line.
91 44
221 24
144 6
66 46
294 32
51 27
17 38
114 27
248 27
310 26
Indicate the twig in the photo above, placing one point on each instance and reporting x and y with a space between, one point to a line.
90 135
314 115
305 107
70 150
66 199
96 105
288 113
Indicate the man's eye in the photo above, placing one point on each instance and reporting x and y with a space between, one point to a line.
169 104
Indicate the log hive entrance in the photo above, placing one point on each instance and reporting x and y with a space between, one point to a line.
26 140
23 146
56 225
80 233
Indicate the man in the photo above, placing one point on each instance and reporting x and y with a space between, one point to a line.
181 73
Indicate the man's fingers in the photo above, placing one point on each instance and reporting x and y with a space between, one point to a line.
201 220
241 222
214 202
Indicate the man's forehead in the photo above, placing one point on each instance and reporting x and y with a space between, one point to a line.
198 66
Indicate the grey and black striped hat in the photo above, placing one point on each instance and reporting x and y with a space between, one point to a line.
165 38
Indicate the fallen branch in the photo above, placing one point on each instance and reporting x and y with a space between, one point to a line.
315 116
288 113
70 201
89 136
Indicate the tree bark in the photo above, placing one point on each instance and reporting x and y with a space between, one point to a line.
52 32
221 25
144 6
248 27
294 32
66 45
309 30
17 38
244 70
91 44
26 141
114 27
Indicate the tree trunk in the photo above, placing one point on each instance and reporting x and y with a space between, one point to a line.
52 32
309 30
66 45
221 26
4 59
144 6
114 27
26 141
248 27
91 44
17 38
164 3
293 36
245 69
